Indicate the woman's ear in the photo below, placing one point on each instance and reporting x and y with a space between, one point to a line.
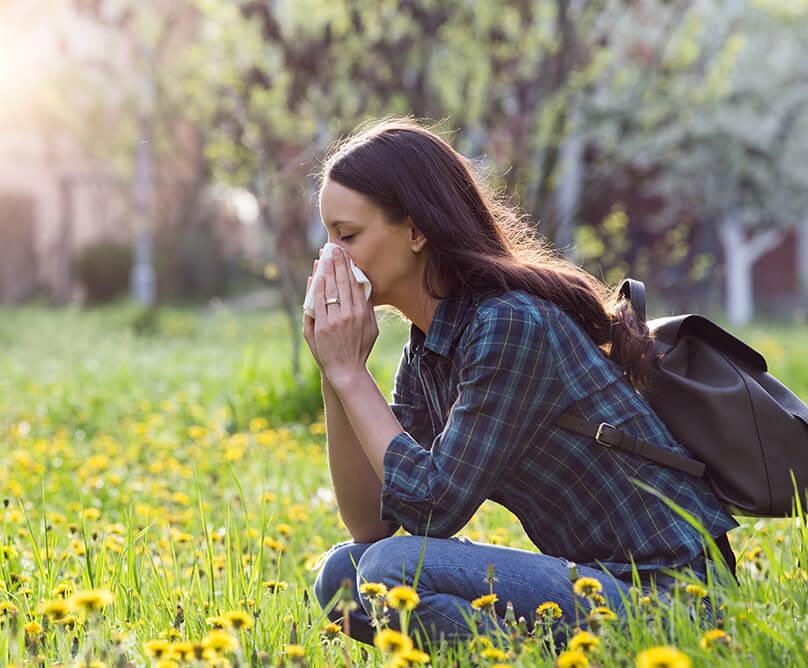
417 239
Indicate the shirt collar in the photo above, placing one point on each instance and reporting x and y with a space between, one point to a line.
448 323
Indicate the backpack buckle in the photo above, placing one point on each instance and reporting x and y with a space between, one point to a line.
599 434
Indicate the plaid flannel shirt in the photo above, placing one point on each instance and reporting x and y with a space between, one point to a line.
477 397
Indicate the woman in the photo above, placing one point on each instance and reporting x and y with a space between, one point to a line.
504 337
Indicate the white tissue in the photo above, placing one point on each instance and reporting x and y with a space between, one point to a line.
308 302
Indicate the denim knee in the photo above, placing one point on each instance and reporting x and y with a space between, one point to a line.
336 567
387 559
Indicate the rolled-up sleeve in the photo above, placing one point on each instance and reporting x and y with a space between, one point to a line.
507 392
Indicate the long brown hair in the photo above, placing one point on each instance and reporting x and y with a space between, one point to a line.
477 241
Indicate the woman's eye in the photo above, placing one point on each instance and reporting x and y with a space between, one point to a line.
345 238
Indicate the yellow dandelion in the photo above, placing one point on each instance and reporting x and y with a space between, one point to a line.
714 637
294 652
602 614
183 650
219 641
549 610
56 609
162 663
664 656
587 587
484 602
402 597
33 628
284 529
373 590
218 622
63 589
275 586
8 609
157 648
390 641
275 545
331 631
584 641
91 599
67 622
480 641
644 601
494 654
696 591
239 619
572 659
412 657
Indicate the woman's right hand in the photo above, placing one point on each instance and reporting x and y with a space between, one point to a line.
308 321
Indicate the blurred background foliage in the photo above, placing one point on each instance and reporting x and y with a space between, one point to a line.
663 141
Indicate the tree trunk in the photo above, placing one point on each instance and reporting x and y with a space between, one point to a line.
740 256
568 193
802 259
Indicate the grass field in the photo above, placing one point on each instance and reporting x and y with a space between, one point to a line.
165 497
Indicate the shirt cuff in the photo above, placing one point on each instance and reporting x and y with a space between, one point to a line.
404 489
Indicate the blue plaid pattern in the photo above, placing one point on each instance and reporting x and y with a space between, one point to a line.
477 398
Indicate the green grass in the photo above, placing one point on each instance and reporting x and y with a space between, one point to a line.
175 463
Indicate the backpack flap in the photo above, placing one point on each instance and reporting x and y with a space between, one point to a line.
715 396
672 328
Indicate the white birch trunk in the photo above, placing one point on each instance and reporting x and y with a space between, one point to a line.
802 259
740 256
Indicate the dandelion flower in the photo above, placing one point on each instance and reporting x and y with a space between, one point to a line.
484 602
157 648
8 609
220 641
714 637
331 631
696 591
295 653
481 641
584 641
33 628
91 599
218 622
275 586
392 642
587 587
67 622
572 659
549 610
56 609
373 590
239 619
412 657
494 654
402 597
663 656
602 614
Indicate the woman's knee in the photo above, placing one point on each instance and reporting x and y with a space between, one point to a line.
391 560
339 564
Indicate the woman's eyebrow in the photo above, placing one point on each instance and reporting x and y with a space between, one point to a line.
337 223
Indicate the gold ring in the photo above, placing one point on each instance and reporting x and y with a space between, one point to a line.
333 300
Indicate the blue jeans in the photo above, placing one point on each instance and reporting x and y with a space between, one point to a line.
452 575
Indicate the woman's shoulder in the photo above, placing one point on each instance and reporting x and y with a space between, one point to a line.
518 304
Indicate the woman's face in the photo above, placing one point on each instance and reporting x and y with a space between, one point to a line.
389 254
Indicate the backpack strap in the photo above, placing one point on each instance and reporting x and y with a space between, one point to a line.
610 437
634 291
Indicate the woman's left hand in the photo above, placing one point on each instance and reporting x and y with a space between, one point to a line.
344 332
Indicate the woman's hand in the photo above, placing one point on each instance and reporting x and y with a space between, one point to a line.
342 335
308 321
